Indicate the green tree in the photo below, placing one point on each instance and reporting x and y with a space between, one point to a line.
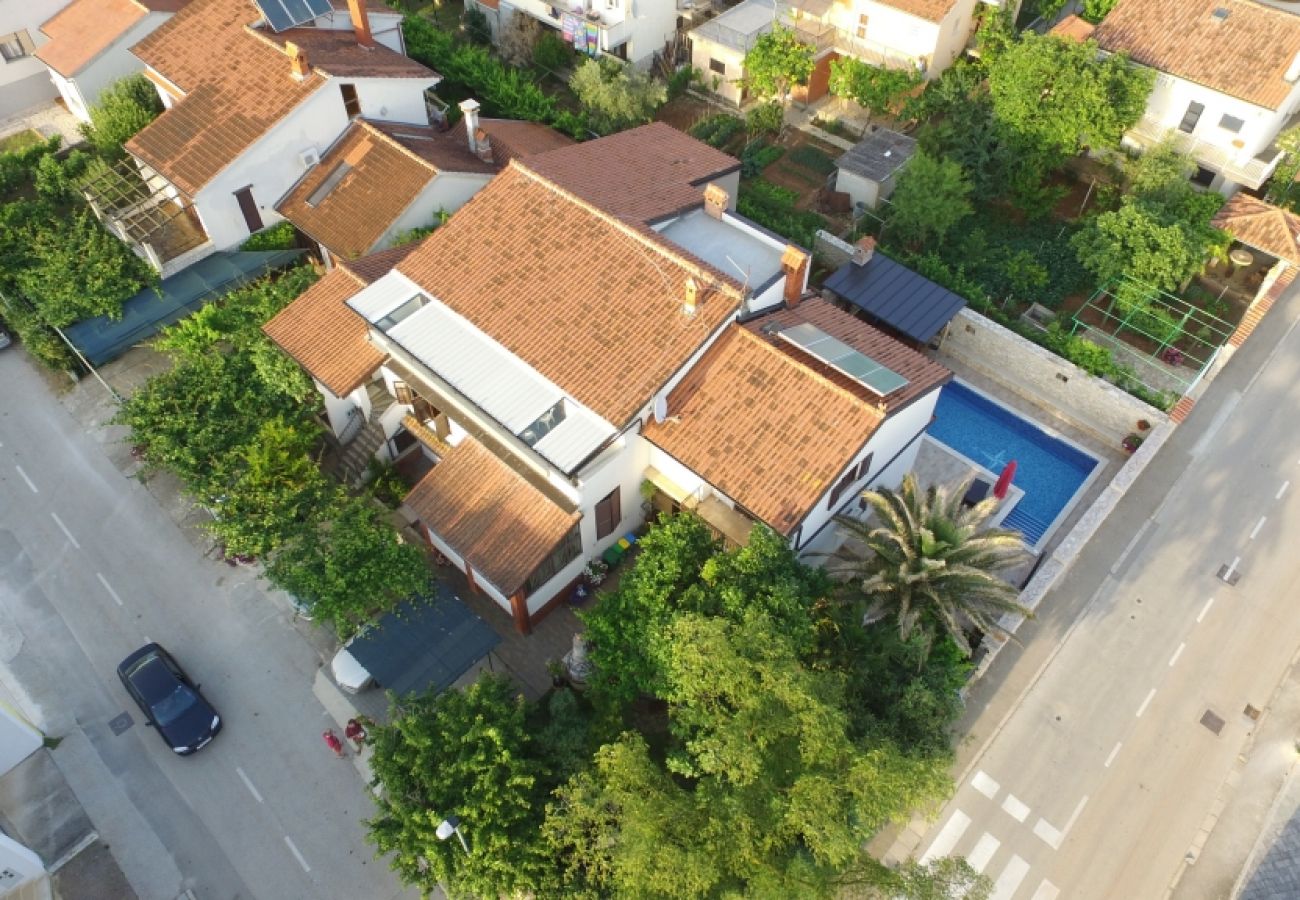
476 26
464 753
349 564
1096 10
1060 96
776 63
765 118
1281 187
930 563
875 88
932 196
124 108
616 96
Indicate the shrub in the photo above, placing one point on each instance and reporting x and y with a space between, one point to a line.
476 26
773 207
811 157
124 108
681 81
551 52
766 118
616 96
281 236
717 130
757 156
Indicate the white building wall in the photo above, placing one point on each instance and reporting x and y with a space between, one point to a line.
901 33
1171 96
83 90
644 25
448 191
21 871
951 37
18 739
25 81
704 52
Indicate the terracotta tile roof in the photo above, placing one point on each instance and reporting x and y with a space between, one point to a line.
385 174
498 522
1262 226
446 151
336 52
512 139
640 175
1073 28
930 10
236 83
83 30
324 335
1244 55
772 430
592 303
377 265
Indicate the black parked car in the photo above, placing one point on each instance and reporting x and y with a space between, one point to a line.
167 697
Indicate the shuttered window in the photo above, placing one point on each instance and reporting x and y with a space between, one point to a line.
16 46
608 514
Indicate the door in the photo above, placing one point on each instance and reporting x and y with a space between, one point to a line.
248 206
1191 117
608 514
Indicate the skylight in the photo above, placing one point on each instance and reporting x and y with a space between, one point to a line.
329 184
397 315
543 424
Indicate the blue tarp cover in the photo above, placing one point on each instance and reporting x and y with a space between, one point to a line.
424 645
101 339
892 293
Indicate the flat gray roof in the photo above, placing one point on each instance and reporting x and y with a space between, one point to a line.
878 155
726 247
739 26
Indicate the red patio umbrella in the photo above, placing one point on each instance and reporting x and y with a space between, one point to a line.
1004 480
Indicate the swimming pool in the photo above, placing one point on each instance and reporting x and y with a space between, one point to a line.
1048 469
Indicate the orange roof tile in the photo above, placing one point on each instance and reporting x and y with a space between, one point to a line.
237 85
325 336
1244 55
83 30
1262 226
770 428
388 166
593 303
640 175
512 139
930 10
490 515
1073 28
377 265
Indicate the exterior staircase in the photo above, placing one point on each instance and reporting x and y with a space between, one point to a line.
354 460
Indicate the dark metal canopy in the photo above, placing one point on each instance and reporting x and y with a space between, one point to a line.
425 644
894 295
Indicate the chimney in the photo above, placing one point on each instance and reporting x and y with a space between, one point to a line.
483 145
692 294
361 22
715 201
469 108
863 250
794 262
299 68
1293 71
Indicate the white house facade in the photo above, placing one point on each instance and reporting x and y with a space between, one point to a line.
24 81
631 30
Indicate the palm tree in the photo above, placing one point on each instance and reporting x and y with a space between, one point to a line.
930 562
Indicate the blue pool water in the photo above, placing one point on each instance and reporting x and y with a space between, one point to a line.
1048 470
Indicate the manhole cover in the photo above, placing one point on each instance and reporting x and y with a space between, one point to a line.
1228 575
1212 722
120 724
1252 713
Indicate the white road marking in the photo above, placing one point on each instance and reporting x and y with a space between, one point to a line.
1205 609
1114 752
1074 816
947 837
985 785
249 784
64 529
296 855
1232 567
1146 703
108 587
1046 891
983 852
1015 808
1177 653
26 479
1014 873
1050 835
1277 496
1254 532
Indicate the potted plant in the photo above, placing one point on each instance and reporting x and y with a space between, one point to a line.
1143 425
596 571
648 491
1132 442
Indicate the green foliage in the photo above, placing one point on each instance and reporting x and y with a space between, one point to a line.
59 180
931 197
812 158
462 753
875 88
385 483
20 166
1281 186
773 207
124 108
765 118
996 32
681 81
777 62
349 564
552 52
476 26
1096 10
1058 96
947 94
717 130
412 235
931 563
757 156
616 96
280 236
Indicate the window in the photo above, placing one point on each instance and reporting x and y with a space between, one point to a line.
326 187
543 424
16 46
564 553
1204 177
861 30
1191 117
865 466
402 391
351 102
608 514
716 65
1231 123
400 313
851 477
248 206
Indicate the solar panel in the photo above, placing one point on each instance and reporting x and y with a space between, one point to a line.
285 14
835 353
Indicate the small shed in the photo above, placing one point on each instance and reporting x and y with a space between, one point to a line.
889 294
868 171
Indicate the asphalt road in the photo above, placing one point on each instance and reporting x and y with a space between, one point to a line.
1132 704
90 569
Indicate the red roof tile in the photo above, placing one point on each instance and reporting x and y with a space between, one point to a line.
83 30
1261 225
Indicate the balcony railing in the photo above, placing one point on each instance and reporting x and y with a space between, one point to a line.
1251 172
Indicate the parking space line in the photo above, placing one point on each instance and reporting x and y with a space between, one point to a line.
64 529
249 784
108 587
30 484
296 855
